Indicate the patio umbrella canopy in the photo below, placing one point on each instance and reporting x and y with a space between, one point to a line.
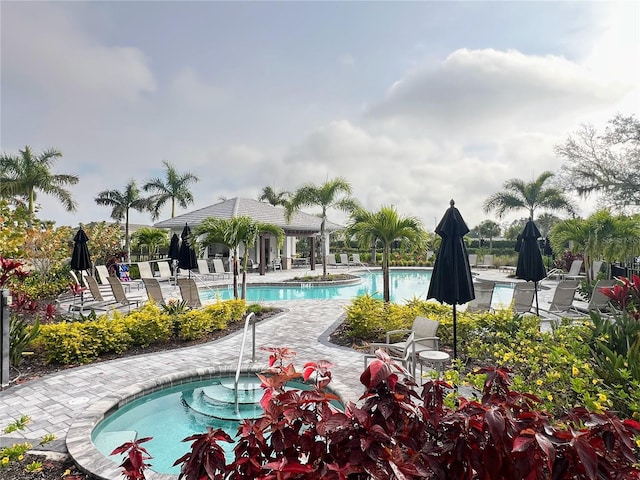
187 259
174 247
530 265
174 252
81 258
451 280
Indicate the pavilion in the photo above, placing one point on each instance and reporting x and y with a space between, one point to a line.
266 251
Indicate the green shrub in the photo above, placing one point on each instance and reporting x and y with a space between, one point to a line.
21 334
148 325
237 309
68 343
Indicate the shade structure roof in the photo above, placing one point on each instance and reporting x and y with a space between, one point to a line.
301 223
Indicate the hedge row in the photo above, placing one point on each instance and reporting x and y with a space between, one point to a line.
82 342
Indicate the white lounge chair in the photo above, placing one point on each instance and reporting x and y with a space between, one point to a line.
484 294
344 260
424 330
599 301
562 300
189 292
523 296
574 270
487 262
218 268
331 260
203 270
405 357
164 271
355 260
473 260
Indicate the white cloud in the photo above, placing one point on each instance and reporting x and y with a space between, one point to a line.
475 92
50 52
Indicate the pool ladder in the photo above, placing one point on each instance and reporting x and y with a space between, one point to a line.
236 380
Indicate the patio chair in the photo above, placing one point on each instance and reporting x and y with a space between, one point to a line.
276 264
355 260
203 270
344 260
424 330
120 296
487 262
562 298
574 271
154 291
331 260
599 301
473 260
189 292
218 268
103 274
164 271
484 294
99 302
523 296
405 357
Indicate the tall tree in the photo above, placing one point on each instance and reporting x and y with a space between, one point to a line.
121 203
233 233
488 229
545 223
26 173
275 198
600 236
608 163
175 187
518 195
152 238
331 194
385 226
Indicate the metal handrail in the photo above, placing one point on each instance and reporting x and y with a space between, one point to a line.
253 357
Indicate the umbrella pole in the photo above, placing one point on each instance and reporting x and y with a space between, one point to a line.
535 285
455 334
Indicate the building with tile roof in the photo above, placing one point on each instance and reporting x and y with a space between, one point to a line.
301 225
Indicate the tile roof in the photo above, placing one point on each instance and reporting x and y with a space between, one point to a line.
259 211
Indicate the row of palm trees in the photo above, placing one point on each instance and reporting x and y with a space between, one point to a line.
23 175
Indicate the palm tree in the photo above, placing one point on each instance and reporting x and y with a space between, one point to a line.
325 196
122 202
23 174
518 194
274 197
175 188
385 226
152 238
489 229
233 232
601 235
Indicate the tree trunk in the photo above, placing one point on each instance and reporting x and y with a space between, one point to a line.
385 274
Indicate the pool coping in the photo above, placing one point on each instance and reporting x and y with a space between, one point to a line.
78 440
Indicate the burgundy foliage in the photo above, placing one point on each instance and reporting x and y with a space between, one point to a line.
398 430
133 465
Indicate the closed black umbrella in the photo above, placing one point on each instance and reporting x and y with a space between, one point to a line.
174 247
187 259
451 280
530 265
81 258
174 252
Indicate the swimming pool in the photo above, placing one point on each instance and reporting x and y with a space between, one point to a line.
177 412
404 286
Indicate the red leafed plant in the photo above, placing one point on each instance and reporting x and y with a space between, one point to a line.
625 295
133 466
398 430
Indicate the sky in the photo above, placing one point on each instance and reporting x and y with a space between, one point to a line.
413 103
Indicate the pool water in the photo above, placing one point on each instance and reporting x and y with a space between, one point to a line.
174 413
404 285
